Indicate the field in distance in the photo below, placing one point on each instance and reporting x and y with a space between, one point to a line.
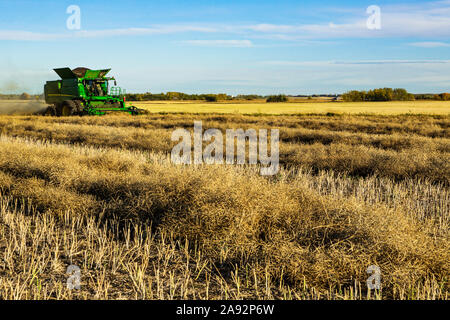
298 106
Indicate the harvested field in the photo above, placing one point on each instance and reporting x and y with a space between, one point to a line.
295 106
102 194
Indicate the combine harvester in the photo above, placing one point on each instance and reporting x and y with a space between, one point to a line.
85 92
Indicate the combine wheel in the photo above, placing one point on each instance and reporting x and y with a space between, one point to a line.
68 108
58 107
79 107
51 111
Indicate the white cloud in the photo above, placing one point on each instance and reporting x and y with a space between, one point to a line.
430 44
356 62
426 20
27 36
220 43
161 29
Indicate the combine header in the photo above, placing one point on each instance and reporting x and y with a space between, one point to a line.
83 91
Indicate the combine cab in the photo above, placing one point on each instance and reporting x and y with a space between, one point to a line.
83 91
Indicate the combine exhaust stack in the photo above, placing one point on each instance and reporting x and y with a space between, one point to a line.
84 91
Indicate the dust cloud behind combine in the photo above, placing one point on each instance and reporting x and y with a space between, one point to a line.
22 107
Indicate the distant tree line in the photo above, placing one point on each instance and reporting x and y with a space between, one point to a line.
430 96
22 96
174 96
382 94
443 96
169 96
277 98
425 96
248 97
317 96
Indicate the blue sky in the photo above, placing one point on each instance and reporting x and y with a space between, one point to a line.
236 47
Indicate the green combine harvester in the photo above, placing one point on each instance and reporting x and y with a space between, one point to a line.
83 91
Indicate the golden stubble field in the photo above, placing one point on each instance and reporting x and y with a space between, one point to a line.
102 194
298 107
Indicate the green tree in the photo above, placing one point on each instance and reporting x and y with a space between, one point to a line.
277 98
210 97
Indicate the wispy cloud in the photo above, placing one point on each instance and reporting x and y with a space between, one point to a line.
425 20
160 29
219 43
361 62
394 62
430 44
28 36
